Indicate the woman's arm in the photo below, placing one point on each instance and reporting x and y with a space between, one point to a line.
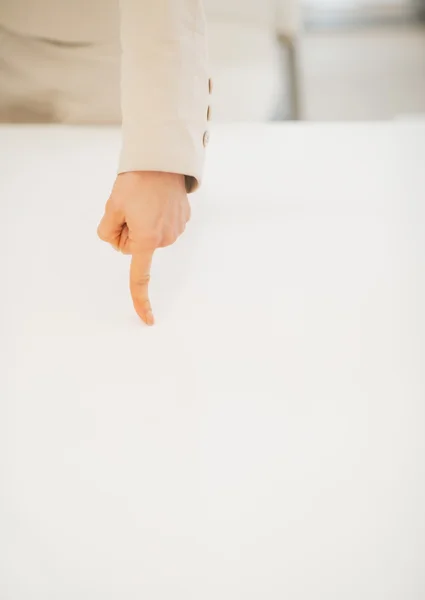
164 87
165 98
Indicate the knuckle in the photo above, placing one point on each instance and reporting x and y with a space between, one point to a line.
141 280
170 237
101 234
139 285
167 241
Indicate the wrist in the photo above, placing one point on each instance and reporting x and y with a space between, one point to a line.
152 176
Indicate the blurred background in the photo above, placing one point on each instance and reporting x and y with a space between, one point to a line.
280 60
317 60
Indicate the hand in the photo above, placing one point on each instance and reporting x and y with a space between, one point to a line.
145 211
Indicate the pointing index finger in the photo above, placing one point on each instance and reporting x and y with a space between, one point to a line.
139 285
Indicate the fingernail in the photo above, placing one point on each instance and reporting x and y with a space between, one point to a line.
149 318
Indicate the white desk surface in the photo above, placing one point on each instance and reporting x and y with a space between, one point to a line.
265 440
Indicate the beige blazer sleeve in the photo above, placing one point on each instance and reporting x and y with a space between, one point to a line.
165 90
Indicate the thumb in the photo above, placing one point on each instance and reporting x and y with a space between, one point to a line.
139 285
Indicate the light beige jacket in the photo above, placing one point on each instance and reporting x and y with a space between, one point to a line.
165 88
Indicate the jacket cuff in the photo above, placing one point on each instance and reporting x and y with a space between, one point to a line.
171 147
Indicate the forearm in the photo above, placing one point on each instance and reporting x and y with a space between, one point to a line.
164 87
